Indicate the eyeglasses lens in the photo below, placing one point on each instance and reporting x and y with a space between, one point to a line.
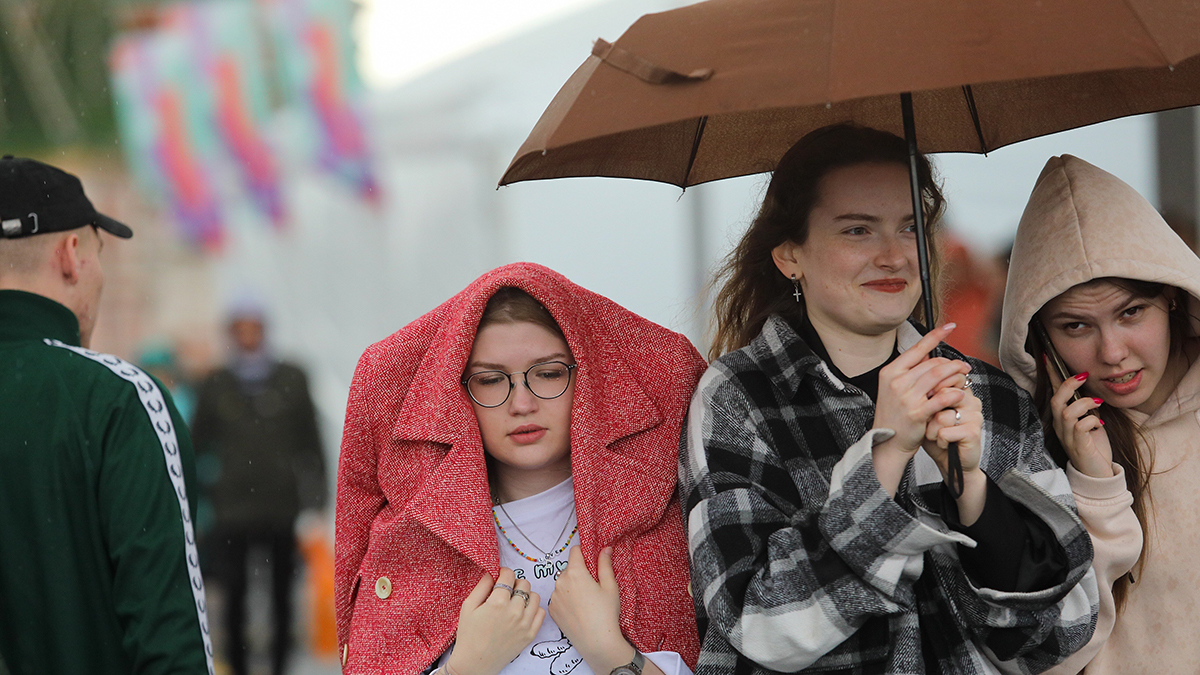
548 380
489 388
492 387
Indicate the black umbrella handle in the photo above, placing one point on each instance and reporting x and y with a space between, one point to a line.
953 461
954 466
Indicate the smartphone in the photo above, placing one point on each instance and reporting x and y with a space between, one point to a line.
1052 357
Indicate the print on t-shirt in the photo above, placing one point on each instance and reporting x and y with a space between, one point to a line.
563 657
544 570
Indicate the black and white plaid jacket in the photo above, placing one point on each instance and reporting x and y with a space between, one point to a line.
800 559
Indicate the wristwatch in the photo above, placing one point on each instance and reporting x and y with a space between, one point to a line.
634 667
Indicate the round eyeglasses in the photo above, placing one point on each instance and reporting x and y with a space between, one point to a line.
491 388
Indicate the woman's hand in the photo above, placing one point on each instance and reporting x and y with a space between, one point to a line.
1081 435
912 389
495 624
588 611
962 424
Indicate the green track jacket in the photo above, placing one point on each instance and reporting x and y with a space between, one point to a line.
98 567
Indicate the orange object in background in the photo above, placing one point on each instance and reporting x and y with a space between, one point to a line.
973 289
318 558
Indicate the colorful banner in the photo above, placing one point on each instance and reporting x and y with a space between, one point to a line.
163 120
315 55
193 96
227 53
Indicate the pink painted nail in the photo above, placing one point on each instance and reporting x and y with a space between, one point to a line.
1098 400
1082 376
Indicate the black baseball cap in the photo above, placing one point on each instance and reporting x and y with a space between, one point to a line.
37 198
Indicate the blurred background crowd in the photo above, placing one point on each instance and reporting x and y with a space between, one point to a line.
328 168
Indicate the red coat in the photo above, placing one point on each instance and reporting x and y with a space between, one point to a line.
413 503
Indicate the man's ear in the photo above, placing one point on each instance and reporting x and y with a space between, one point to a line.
787 260
66 258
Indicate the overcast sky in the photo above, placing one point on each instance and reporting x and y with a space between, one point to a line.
399 39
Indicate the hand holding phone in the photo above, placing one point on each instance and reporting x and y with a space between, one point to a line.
1075 419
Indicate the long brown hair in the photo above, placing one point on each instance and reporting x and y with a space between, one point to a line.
1131 449
752 288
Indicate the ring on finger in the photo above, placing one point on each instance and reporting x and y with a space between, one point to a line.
506 587
957 418
524 595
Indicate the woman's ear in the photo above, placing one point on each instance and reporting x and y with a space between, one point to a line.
787 260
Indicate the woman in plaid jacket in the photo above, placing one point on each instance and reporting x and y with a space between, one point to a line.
815 466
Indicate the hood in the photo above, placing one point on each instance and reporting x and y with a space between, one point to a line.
1082 223
634 376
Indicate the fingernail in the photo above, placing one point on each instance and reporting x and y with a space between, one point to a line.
1082 376
1098 400
1101 422
949 326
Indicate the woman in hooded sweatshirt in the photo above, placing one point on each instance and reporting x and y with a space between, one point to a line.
506 492
823 531
1116 292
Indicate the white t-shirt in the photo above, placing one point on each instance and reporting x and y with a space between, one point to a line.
542 517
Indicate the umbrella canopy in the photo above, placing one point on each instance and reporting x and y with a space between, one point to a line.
723 88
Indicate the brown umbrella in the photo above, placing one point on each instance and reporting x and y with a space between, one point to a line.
723 88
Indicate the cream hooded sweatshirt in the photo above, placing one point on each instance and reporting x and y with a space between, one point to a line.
1082 223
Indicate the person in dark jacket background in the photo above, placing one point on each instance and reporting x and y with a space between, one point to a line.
255 424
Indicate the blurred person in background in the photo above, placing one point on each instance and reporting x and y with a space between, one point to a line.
98 568
256 422
160 360
972 288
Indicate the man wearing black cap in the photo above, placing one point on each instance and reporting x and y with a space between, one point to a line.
98 567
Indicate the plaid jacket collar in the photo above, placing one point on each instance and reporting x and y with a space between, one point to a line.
787 359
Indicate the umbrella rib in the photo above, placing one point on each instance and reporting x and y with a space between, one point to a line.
1146 29
703 122
970 96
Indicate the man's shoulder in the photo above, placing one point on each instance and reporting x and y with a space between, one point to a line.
114 378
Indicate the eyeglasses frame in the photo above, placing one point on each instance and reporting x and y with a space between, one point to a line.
525 378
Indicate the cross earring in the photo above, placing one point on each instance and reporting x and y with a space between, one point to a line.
796 285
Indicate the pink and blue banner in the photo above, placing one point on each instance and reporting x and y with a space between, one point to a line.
227 54
196 101
315 53
163 119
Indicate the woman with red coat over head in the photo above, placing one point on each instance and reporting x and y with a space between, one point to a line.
523 408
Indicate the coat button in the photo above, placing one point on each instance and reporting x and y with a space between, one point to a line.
345 652
383 588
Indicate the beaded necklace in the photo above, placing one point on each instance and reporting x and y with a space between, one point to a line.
526 556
